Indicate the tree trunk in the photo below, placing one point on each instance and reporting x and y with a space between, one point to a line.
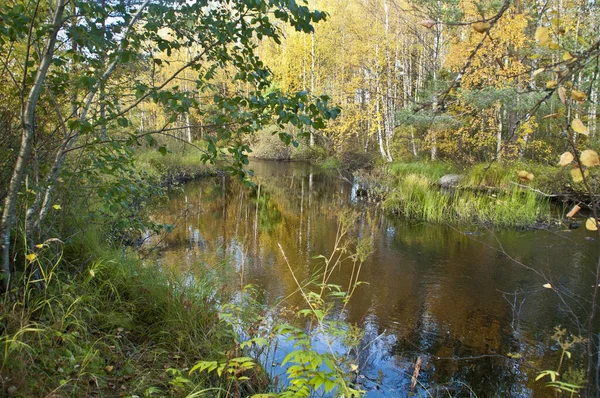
499 132
312 79
28 130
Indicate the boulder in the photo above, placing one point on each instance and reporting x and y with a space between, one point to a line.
450 180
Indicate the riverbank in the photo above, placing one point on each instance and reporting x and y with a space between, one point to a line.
115 328
102 321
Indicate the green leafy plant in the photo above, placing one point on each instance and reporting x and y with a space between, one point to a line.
556 378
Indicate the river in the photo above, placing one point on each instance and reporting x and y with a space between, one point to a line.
469 301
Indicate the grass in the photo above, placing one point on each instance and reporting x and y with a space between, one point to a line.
431 170
485 195
114 328
179 166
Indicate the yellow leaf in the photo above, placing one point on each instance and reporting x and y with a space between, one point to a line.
577 176
578 96
92 273
538 71
566 158
428 23
553 46
31 256
591 224
551 84
481 27
57 207
525 175
109 368
39 246
579 127
567 56
542 36
589 158
353 367
552 116
562 94
547 286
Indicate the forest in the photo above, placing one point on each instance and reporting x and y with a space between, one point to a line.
199 198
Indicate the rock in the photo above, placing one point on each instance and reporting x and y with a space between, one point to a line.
574 225
450 180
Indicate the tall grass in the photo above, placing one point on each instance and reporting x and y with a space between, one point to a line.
185 164
431 170
418 197
110 329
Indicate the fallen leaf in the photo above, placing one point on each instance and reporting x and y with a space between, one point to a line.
547 286
57 207
109 368
566 158
578 126
591 224
567 56
550 84
39 246
589 158
31 256
92 273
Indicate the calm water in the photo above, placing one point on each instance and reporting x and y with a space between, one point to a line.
446 294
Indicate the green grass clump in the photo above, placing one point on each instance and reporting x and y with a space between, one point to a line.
489 195
418 199
183 164
113 328
432 170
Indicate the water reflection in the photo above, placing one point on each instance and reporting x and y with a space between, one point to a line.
434 292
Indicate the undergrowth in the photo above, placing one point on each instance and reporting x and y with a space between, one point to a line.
115 328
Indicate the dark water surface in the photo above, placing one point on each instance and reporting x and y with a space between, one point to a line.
435 292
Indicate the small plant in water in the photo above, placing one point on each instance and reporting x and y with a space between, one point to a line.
557 379
308 370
